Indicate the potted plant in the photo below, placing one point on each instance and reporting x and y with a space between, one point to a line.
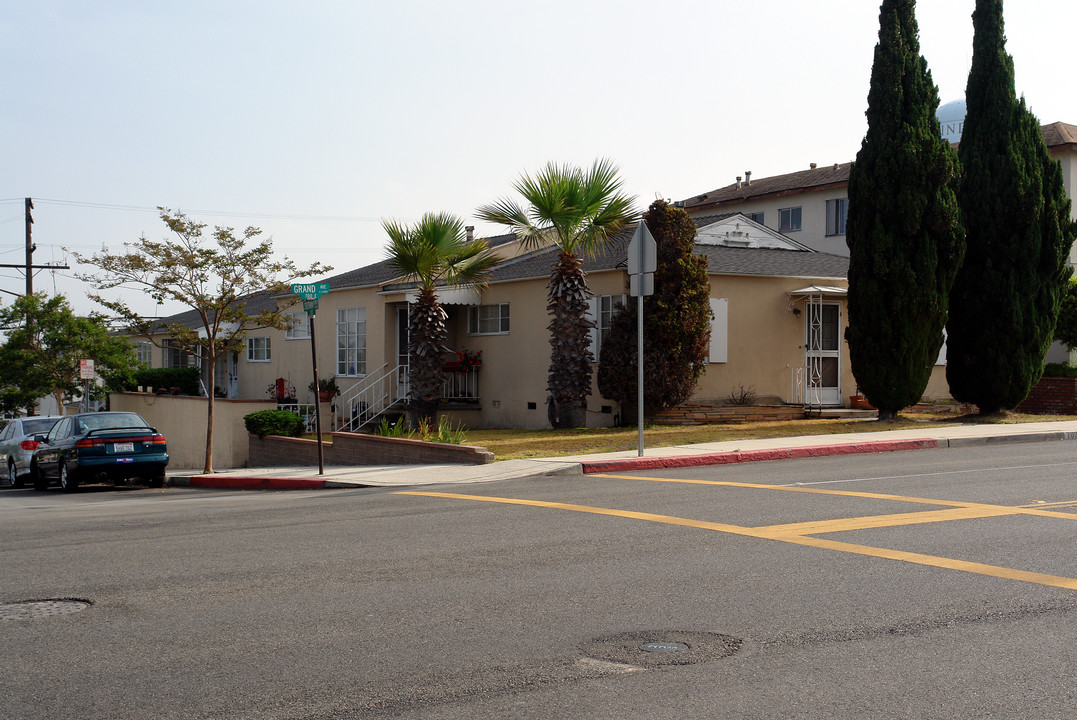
327 388
282 391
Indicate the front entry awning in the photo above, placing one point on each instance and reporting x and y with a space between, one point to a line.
831 291
449 296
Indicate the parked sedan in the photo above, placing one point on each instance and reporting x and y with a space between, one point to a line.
17 445
100 447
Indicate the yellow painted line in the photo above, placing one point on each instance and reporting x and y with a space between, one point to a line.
651 517
816 527
939 562
1010 510
823 543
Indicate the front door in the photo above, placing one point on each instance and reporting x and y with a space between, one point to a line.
822 353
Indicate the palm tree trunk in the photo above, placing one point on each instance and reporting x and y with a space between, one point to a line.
570 339
428 335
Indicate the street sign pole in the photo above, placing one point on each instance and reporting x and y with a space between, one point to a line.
317 399
642 262
310 292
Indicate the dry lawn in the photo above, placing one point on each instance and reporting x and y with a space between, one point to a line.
517 444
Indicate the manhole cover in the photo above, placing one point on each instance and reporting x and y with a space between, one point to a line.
34 609
656 648
662 647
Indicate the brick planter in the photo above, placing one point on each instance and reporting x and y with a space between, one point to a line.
1051 396
352 449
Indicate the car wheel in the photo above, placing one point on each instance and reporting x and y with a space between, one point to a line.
40 482
13 474
67 482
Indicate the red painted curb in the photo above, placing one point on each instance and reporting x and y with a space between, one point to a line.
244 482
728 458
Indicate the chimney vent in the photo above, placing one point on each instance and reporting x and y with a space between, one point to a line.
747 177
738 182
813 166
470 232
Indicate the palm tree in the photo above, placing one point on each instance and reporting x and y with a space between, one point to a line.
578 211
435 252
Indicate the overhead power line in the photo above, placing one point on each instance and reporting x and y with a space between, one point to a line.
213 213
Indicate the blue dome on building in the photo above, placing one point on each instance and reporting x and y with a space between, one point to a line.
951 117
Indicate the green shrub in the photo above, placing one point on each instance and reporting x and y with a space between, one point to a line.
186 379
274 422
1059 370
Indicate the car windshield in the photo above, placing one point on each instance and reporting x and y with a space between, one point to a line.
39 426
105 421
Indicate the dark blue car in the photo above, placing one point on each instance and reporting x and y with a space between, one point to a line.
100 447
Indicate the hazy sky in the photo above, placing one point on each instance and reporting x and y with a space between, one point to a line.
314 120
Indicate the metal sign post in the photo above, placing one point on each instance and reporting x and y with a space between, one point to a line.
642 261
310 292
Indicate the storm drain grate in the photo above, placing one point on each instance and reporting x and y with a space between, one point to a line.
35 609
662 647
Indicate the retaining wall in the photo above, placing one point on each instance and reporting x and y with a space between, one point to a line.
350 449
1051 396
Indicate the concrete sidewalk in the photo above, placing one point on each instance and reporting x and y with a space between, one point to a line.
718 453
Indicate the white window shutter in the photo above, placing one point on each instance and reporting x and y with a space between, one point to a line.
592 315
719 347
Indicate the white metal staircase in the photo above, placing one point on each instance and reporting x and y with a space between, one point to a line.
379 392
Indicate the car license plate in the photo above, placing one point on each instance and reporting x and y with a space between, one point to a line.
123 447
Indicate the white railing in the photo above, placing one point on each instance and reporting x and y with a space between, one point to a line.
369 398
304 411
459 386
807 381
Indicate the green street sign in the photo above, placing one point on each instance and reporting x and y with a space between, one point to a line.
310 291
311 306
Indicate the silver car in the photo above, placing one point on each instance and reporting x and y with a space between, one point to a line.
17 444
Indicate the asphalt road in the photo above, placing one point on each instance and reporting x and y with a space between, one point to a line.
931 584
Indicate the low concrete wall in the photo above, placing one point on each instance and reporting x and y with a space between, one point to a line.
1051 396
356 449
182 420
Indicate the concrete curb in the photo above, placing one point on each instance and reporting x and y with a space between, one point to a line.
246 482
727 458
1015 438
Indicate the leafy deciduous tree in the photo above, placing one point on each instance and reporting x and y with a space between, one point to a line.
42 357
217 282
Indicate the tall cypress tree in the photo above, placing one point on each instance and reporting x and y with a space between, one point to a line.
1006 297
905 241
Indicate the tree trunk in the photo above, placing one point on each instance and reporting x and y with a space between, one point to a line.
427 342
569 382
208 469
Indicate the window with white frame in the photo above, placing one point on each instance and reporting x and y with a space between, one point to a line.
143 352
788 219
175 356
257 349
602 310
351 341
298 326
488 319
836 212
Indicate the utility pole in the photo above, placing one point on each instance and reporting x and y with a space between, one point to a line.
29 248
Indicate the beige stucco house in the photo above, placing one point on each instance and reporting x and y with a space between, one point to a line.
778 307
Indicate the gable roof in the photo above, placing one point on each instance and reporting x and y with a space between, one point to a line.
721 260
382 271
252 304
1055 135
1059 134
